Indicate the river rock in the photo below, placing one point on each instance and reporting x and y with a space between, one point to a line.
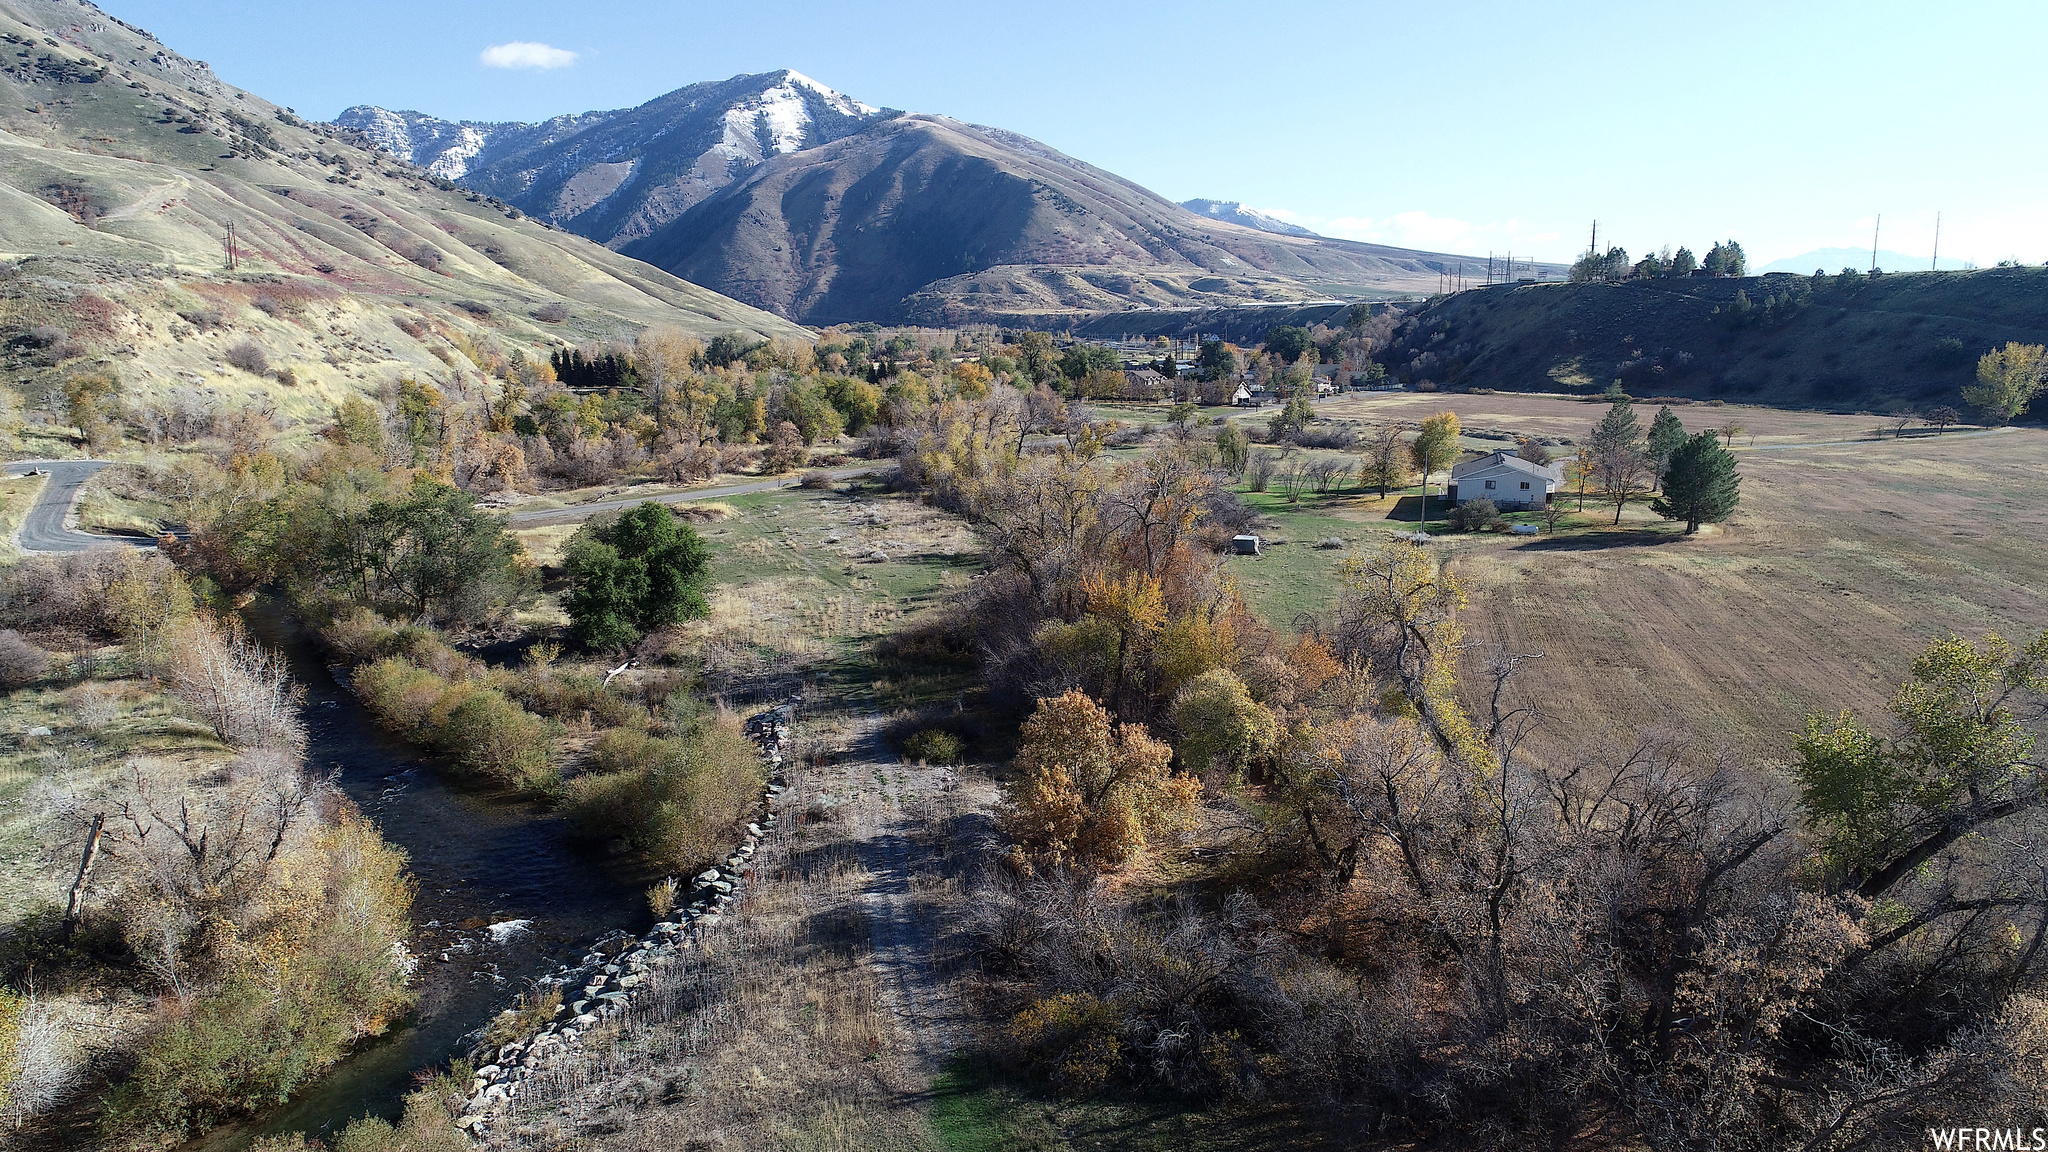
584 1020
633 981
707 876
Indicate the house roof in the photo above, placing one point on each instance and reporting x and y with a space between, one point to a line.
1503 460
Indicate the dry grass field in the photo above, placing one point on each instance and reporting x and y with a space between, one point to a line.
1542 415
1844 559
1841 564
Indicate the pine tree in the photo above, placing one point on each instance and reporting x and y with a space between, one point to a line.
1617 429
1701 485
1666 436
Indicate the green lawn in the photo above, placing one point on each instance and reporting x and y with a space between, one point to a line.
975 1108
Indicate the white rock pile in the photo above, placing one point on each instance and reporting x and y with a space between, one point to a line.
607 978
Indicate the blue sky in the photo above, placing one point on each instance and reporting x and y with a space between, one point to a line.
1454 126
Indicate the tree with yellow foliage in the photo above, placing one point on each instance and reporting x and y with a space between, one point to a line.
2008 379
1433 450
1092 792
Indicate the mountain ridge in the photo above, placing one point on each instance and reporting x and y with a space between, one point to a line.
729 184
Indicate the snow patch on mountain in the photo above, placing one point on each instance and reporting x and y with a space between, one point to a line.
1235 213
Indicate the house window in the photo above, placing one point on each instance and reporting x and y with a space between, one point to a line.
1525 485
1489 483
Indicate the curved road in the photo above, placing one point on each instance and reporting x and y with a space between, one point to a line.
46 528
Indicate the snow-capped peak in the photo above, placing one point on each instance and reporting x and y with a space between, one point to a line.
836 100
779 120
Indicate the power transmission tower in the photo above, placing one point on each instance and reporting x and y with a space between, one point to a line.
231 246
1934 261
1873 240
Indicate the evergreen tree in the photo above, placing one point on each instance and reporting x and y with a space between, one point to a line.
1618 429
634 574
1701 485
1666 437
1683 263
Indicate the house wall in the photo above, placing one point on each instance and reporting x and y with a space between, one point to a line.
1507 490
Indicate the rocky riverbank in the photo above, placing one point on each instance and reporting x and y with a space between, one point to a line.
604 983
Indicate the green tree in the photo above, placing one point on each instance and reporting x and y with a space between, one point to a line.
1081 361
2008 379
1618 428
1233 448
1666 435
631 575
1433 450
1726 259
1701 485
1216 360
1222 728
91 399
435 554
1292 417
1289 342
1960 758
1682 264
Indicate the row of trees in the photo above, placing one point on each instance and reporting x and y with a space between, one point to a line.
1725 258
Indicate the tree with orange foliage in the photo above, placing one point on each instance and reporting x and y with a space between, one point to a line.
1091 791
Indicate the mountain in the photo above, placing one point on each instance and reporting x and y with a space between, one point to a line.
781 192
618 176
451 148
1906 340
1833 260
931 220
1236 213
122 164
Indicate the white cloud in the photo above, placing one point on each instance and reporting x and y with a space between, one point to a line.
526 54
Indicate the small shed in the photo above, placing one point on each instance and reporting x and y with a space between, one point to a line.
1242 397
1245 545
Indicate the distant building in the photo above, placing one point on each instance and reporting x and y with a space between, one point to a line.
1506 479
1242 397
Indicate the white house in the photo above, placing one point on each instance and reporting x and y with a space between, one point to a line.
1506 479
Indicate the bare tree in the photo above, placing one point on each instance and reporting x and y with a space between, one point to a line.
244 693
1622 472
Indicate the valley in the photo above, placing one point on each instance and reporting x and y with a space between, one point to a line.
760 620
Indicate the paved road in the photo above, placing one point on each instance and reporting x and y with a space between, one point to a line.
47 526
586 511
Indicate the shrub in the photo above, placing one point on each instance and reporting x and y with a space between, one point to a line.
1475 516
816 478
20 661
249 357
500 741
677 799
553 313
933 746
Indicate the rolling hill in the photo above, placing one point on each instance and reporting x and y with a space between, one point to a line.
781 192
1845 344
122 164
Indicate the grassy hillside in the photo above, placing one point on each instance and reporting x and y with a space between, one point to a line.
121 166
1907 340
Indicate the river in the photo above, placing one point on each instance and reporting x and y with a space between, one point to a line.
480 861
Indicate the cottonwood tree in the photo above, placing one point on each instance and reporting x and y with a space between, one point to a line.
1383 464
1621 472
634 574
1434 449
2008 379
1092 791
1701 485
1941 418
